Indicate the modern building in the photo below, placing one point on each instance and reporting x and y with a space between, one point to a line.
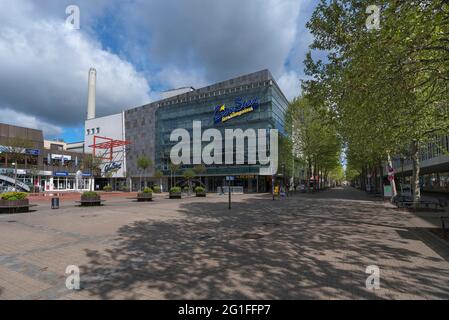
31 163
252 101
434 166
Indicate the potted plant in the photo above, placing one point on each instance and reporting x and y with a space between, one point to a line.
14 202
107 188
90 198
157 189
200 191
145 195
175 193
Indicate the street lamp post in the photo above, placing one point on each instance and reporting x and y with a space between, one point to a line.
15 175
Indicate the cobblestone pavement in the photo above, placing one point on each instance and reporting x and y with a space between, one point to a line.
314 246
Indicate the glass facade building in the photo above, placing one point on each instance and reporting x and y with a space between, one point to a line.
257 102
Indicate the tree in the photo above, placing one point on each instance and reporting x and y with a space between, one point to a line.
93 164
159 175
200 169
384 88
314 140
173 168
143 163
189 174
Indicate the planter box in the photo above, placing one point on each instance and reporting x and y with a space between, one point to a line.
141 196
175 195
90 201
14 206
201 194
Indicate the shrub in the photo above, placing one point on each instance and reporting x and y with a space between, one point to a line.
90 194
13 196
157 189
107 188
125 189
200 189
147 190
186 189
175 190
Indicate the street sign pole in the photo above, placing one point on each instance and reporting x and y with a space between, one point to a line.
229 187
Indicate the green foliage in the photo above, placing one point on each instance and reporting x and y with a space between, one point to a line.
157 189
189 174
175 190
158 174
13 196
384 89
107 188
90 194
200 189
143 162
200 169
147 190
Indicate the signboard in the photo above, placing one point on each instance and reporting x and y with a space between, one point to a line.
31 152
390 174
61 174
230 178
61 157
223 113
112 167
388 191
406 190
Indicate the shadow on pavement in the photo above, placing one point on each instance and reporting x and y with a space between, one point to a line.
263 250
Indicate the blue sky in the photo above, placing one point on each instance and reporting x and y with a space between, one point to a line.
139 49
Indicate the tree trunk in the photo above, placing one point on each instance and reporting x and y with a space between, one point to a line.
416 171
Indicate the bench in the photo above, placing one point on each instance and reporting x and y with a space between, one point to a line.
90 203
141 199
16 209
421 204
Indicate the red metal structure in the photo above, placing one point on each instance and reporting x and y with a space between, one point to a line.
109 144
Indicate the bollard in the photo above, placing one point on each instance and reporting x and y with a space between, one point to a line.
55 203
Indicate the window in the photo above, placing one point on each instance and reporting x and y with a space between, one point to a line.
88 131
98 130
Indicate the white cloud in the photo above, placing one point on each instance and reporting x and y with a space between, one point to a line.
174 77
9 116
44 68
289 84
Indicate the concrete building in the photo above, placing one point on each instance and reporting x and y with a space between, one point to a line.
148 129
39 165
434 164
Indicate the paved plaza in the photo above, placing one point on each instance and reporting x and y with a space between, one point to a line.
307 246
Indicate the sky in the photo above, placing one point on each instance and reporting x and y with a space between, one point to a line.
139 49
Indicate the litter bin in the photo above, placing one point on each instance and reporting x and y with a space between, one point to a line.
55 203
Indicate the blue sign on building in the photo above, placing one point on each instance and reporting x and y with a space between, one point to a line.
61 174
222 113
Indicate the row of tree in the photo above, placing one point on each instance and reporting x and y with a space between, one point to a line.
385 90
315 143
